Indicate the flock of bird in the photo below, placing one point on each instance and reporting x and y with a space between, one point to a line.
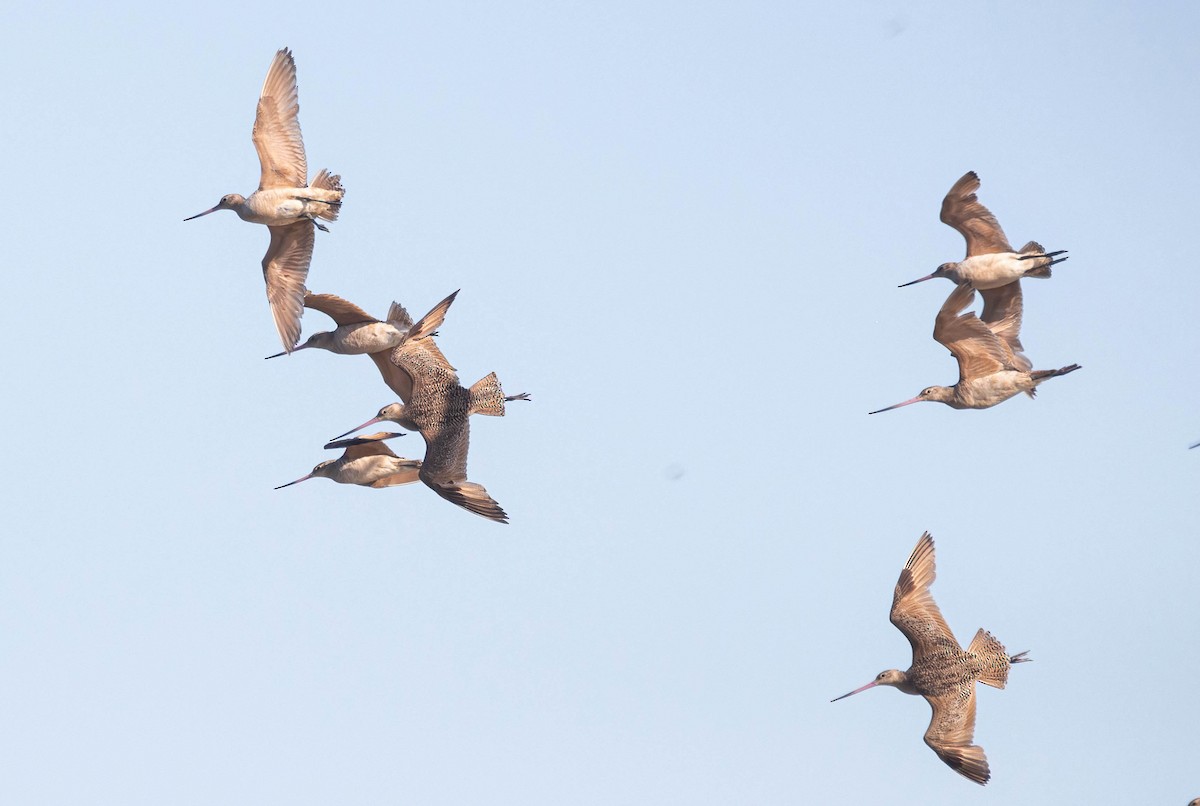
992 367
991 362
434 403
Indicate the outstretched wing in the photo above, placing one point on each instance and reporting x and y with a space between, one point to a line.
979 351
913 610
285 268
369 445
951 733
339 310
277 128
1002 314
961 209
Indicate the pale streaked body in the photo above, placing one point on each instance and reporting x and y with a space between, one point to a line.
366 462
357 332
439 407
285 201
942 671
991 365
991 261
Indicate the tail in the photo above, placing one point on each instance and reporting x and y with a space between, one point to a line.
995 658
1034 251
333 199
1046 374
487 397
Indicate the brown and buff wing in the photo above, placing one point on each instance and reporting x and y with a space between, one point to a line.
341 311
432 320
285 269
961 209
445 472
913 610
978 350
369 445
951 733
277 127
1002 309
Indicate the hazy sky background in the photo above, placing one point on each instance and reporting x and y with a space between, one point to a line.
680 226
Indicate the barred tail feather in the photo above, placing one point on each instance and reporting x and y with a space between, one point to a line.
994 657
333 200
487 397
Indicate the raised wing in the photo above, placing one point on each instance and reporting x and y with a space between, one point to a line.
285 268
341 311
1002 314
369 445
961 209
432 320
951 733
913 610
979 351
277 128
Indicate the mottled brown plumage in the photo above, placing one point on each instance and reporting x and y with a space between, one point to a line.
942 671
439 407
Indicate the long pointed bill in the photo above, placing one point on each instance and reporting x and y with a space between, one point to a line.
872 684
285 352
297 481
914 282
206 212
372 421
898 405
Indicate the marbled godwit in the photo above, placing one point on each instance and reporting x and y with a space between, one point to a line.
991 366
990 260
284 201
357 332
941 671
440 407
367 462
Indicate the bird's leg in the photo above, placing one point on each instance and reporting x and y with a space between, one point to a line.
319 225
522 396
1044 254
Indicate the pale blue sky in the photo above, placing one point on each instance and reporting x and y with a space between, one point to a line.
680 226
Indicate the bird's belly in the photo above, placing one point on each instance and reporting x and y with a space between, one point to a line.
367 338
992 271
985 392
275 208
368 469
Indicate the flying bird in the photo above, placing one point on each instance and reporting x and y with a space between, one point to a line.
366 462
284 201
359 333
990 260
942 671
439 407
991 365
